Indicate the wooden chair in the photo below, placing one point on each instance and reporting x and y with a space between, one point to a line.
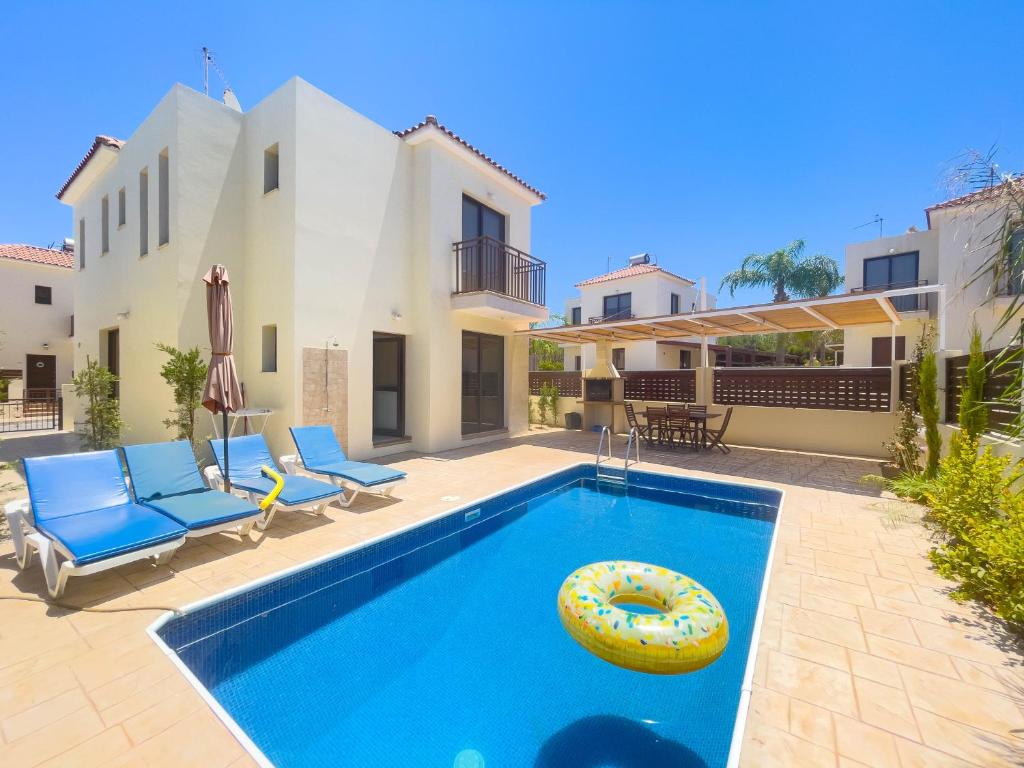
656 423
715 435
644 430
679 421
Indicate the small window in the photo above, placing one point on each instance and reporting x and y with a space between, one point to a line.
579 362
105 224
269 349
143 212
685 359
674 304
618 307
121 205
1015 262
619 358
577 316
44 294
80 245
164 199
271 165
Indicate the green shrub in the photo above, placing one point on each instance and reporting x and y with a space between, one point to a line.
978 508
973 414
552 393
928 405
95 383
542 406
903 448
185 371
912 485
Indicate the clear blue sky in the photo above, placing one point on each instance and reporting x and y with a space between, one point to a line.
694 132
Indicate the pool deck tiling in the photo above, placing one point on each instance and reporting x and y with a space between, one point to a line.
863 660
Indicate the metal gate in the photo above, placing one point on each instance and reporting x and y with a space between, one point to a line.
35 412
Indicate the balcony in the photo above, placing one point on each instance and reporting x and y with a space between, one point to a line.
917 302
492 278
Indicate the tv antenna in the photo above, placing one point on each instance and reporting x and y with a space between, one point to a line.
210 61
877 220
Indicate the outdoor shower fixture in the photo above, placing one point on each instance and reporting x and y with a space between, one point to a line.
331 341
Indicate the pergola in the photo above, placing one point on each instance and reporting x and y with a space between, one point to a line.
848 310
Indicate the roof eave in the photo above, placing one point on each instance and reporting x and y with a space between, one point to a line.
100 157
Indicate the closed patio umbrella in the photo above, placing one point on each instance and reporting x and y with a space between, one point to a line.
222 392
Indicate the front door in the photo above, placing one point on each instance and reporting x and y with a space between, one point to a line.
388 385
483 382
881 350
40 376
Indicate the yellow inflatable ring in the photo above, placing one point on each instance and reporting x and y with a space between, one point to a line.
688 631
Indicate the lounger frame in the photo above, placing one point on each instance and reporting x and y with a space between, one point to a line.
215 479
27 537
292 463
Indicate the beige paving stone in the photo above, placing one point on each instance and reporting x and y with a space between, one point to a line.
811 723
966 743
831 589
96 752
44 713
898 590
874 668
864 743
811 682
47 743
887 625
959 701
885 707
767 747
812 649
848 634
770 707
914 755
911 655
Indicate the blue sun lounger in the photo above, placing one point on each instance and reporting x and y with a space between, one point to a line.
320 454
165 477
79 508
248 455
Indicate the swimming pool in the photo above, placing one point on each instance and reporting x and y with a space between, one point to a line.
442 646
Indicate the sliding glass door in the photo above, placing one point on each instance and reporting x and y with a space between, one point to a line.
388 385
483 382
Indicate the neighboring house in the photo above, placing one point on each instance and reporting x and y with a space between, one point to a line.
35 318
641 289
377 276
949 253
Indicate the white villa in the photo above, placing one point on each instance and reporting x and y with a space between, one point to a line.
949 253
640 289
374 274
36 318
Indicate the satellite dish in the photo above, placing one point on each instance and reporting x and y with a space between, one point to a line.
231 100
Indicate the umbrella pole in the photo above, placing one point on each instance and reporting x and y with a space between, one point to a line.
227 471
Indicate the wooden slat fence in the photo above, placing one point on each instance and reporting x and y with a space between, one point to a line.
838 389
569 383
998 379
665 386
908 384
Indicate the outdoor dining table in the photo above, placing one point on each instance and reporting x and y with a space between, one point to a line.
657 421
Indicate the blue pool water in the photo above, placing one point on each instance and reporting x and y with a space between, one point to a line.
443 647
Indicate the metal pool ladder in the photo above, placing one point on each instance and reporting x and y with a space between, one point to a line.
610 476
634 443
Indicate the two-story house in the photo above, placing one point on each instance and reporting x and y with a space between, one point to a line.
35 318
945 262
377 276
640 289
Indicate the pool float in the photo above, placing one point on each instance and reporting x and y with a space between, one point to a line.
686 631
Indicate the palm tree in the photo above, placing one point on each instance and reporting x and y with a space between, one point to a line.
790 275
787 272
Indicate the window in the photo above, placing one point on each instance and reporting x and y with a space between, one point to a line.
685 358
881 349
271 169
388 386
1015 262
44 294
163 199
579 362
121 205
80 245
576 317
896 271
619 358
269 347
480 221
674 304
143 212
618 307
105 225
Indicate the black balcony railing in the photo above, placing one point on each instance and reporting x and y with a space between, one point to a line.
623 315
915 302
486 264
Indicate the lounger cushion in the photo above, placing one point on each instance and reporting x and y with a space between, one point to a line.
297 489
204 508
359 472
162 469
76 482
321 453
104 533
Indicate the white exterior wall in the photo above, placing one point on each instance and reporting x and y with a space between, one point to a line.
26 326
356 239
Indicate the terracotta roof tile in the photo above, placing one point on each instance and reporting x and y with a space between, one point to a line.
631 271
100 141
980 195
33 253
431 120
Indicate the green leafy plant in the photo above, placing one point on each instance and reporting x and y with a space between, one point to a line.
185 372
551 390
928 402
531 411
912 485
95 383
978 508
973 414
542 406
903 449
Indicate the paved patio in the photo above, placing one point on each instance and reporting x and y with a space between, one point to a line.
863 660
